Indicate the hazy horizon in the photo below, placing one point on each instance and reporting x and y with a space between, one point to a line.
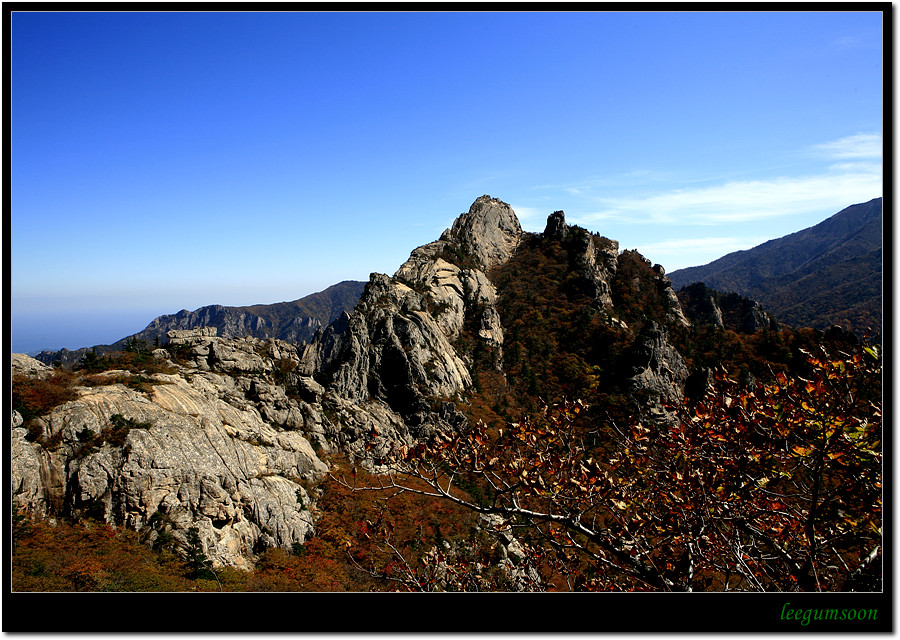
171 160
40 332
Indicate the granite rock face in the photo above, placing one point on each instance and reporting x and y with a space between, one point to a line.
231 450
28 366
195 452
490 231
397 346
658 368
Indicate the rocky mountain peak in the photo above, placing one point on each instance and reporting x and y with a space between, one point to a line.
490 231
397 346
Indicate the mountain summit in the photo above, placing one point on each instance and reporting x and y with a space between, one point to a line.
490 231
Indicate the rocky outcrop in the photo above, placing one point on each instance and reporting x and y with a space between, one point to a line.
395 351
193 452
658 372
594 258
455 295
676 313
408 343
229 444
267 376
701 306
183 336
733 311
651 283
556 228
21 364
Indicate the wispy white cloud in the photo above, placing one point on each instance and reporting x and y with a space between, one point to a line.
646 214
863 145
529 215
847 42
855 167
589 185
717 244
841 184
871 40
687 252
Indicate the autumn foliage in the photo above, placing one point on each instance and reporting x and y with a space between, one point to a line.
774 486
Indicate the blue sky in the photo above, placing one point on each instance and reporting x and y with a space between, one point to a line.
167 161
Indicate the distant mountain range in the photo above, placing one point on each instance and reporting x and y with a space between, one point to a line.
296 321
828 274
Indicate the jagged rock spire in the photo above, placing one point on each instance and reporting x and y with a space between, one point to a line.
556 226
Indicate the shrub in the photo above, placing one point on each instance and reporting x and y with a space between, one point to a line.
199 566
765 487
33 397
89 556
115 434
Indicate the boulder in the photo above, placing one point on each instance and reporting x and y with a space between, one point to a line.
181 336
22 364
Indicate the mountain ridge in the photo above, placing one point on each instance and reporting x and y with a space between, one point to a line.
293 321
826 274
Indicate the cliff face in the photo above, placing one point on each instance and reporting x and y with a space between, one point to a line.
724 310
230 437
